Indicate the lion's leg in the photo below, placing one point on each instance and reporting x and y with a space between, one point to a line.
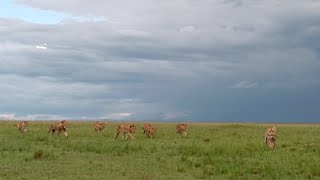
117 134
266 141
150 134
65 133
272 143
20 129
131 136
52 131
125 135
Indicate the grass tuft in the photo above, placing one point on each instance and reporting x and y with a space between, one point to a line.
38 154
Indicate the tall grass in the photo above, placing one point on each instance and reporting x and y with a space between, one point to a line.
210 151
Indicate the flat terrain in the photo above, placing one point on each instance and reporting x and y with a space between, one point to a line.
210 151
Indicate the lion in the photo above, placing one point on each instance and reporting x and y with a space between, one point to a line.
22 126
150 132
60 127
270 137
99 126
182 129
145 127
127 130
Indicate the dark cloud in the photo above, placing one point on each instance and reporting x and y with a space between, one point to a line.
181 60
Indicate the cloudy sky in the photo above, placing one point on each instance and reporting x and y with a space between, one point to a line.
165 60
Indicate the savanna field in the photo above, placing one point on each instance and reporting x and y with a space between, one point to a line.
209 151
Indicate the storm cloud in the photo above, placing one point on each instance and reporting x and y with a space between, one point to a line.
213 60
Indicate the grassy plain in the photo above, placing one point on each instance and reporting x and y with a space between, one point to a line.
210 151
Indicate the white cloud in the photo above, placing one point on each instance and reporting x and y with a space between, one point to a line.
245 84
44 46
41 47
117 116
124 114
8 116
42 117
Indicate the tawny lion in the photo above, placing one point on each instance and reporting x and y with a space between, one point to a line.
99 126
145 127
127 130
182 129
149 130
270 137
60 127
22 126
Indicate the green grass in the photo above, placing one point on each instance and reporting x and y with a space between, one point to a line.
210 151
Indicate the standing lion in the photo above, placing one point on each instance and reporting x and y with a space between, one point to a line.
22 126
182 129
99 126
270 137
145 127
59 127
127 130
149 130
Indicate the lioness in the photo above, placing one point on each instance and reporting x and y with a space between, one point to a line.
60 127
150 132
270 137
127 130
145 127
22 126
181 129
99 126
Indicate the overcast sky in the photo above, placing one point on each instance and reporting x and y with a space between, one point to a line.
165 60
